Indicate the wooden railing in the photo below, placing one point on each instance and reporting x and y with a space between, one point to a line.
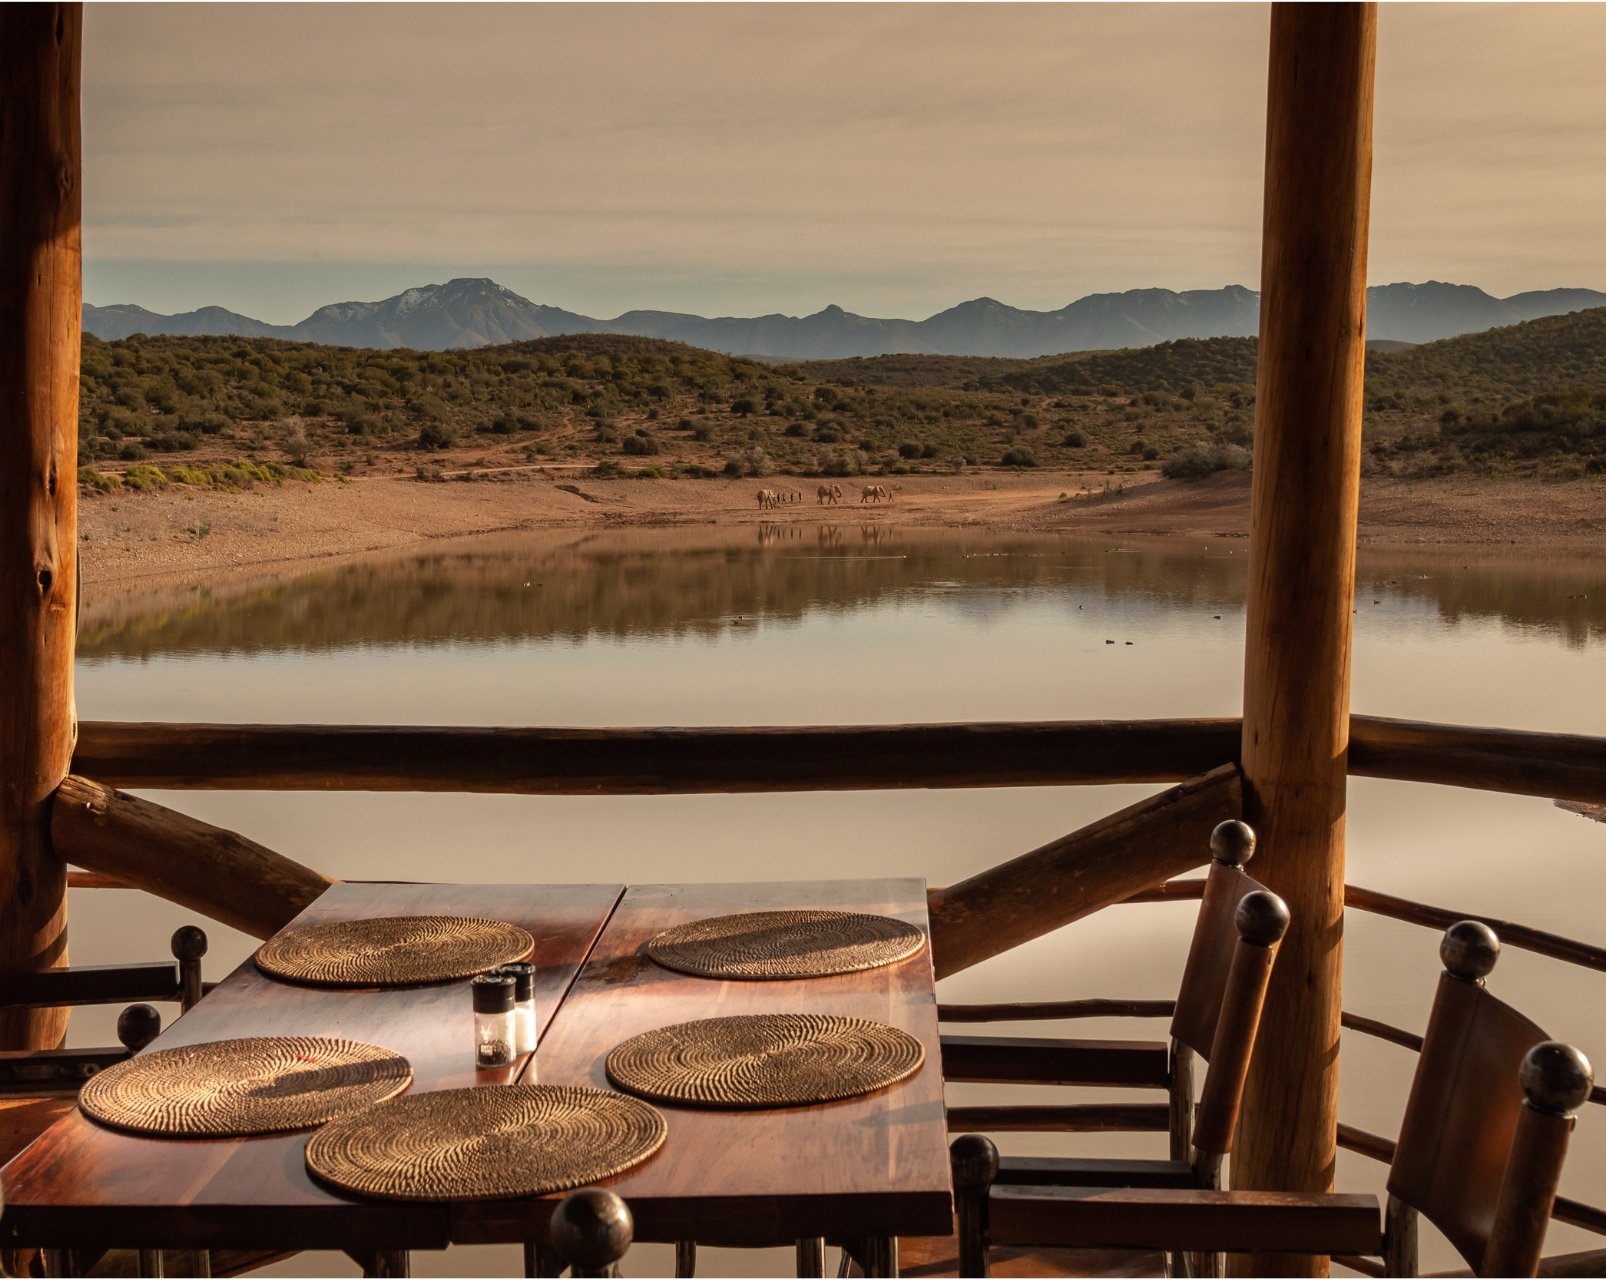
812 758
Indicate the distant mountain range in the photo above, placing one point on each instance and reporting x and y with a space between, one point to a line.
474 313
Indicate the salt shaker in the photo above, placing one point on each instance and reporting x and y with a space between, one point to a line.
495 1031
523 976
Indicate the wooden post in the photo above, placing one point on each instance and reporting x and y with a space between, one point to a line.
41 295
1302 578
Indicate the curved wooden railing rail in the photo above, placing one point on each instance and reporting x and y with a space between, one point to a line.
810 758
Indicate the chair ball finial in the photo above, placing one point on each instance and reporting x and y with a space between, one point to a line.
137 1026
975 1160
1261 918
591 1230
189 943
1556 1078
1469 950
1232 843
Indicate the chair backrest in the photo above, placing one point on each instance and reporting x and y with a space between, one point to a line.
1215 938
1465 1099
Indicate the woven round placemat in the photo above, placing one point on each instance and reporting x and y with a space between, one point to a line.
765 1060
393 951
486 1144
235 1088
771 945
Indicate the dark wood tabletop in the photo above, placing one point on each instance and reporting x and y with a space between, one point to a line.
871 1166
97 1188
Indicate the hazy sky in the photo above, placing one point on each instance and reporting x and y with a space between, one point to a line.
743 158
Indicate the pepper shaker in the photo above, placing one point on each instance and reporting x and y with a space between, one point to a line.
495 1029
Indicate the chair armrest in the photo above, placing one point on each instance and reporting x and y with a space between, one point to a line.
1185 1220
91 984
1143 1064
1061 1171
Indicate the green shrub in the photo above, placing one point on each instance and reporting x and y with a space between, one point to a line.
607 467
1074 440
1195 461
131 452
437 435
1020 456
641 444
144 478
95 480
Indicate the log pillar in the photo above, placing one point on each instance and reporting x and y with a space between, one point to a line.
1302 579
41 293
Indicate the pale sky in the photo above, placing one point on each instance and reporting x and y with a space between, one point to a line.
747 158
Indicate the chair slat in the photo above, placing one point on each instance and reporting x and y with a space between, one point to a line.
1088 1117
1040 1060
91 984
1063 1171
1177 1220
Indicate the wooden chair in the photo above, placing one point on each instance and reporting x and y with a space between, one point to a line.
38 1087
1217 1012
1480 1154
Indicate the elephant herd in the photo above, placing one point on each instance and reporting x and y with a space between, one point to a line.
824 495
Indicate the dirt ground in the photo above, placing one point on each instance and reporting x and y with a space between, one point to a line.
190 532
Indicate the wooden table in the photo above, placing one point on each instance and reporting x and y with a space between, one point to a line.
873 1166
94 1188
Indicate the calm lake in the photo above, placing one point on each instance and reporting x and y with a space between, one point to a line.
811 624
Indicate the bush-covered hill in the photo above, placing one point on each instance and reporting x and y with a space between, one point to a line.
1533 395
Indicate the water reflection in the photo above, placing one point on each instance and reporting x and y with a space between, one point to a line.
639 583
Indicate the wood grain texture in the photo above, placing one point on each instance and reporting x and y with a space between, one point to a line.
208 869
1078 874
873 1165
40 295
649 761
1302 577
101 1188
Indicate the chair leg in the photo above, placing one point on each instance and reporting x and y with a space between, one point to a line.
200 1263
1399 1239
55 1261
881 1256
811 1256
1181 1125
975 1165
541 1260
150 1262
685 1258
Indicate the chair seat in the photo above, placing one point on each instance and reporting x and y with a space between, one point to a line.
1185 1220
939 1256
1143 1064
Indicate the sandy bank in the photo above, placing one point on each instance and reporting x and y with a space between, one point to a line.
191 533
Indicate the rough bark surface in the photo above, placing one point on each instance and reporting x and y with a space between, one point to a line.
40 298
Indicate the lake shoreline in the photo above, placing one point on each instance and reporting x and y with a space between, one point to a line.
196 533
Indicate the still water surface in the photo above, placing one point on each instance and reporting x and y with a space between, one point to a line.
849 624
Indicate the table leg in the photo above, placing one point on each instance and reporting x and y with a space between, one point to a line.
811 1256
541 1260
150 1262
55 1262
881 1252
200 1263
396 1264
685 1258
